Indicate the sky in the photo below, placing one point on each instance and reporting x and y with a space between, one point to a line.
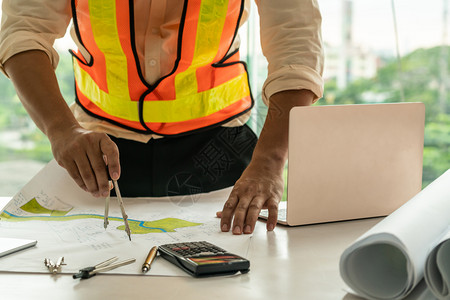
419 24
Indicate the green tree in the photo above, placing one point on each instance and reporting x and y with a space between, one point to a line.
15 121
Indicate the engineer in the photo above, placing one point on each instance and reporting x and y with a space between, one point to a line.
162 97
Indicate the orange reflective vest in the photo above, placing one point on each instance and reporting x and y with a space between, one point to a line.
206 87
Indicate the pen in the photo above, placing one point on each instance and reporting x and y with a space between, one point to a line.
150 257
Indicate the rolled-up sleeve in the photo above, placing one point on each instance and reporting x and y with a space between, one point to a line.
32 25
291 41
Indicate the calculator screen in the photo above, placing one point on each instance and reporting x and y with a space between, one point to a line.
220 259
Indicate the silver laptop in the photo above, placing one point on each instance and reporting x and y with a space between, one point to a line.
352 161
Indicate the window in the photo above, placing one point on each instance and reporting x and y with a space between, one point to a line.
24 149
381 51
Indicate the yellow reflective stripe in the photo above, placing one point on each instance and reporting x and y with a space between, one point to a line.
112 104
198 105
104 29
209 28
168 111
211 21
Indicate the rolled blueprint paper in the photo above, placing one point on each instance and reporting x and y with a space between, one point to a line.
437 269
388 261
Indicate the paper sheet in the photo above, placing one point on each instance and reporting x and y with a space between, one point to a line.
388 261
437 268
68 222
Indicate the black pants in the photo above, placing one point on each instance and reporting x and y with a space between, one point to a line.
186 165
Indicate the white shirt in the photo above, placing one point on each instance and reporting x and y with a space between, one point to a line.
290 40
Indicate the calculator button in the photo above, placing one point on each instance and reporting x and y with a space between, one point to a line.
205 253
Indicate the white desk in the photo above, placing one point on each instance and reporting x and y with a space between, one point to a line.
289 263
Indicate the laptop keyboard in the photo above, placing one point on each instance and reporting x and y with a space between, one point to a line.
281 214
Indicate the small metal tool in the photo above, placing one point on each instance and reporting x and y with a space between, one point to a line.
49 264
52 267
106 221
124 215
122 208
150 258
107 265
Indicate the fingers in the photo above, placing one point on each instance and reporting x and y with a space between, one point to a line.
106 152
72 169
240 213
253 213
246 211
87 174
73 157
228 211
111 152
98 176
85 155
272 206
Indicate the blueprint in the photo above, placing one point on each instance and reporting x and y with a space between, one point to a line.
68 222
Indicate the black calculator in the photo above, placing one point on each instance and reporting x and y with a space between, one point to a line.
203 259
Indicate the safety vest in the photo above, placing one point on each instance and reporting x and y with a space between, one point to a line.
206 87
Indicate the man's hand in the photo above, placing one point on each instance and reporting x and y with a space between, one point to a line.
261 184
84 154
259 187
